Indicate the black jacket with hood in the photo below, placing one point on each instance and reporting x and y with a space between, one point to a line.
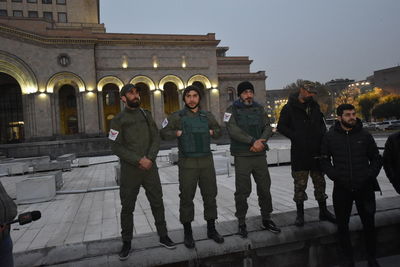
350 158
304 125
391 160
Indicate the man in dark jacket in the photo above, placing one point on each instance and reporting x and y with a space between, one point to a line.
303 123
249 130
351 159
8 211
135 140
391 160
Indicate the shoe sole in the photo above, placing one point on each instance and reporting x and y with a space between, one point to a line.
271 230
166 246
124 258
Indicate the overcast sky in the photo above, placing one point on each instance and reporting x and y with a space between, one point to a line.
317 40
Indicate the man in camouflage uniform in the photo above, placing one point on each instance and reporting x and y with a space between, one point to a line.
135 140
249 129
302 121
194 128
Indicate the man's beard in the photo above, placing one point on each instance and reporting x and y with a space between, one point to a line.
134 103
189 107
349 125
248 101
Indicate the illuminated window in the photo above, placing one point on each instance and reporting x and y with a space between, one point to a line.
61 2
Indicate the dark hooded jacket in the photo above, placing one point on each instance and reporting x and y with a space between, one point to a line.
391 160
304 125
350 158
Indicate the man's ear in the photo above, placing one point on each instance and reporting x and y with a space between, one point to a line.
123 98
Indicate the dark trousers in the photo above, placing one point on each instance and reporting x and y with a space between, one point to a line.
366 206
6 248
244 168
192 172
132 178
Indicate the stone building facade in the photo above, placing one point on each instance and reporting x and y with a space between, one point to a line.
60 76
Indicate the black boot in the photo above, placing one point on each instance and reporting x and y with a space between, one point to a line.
188 239
125 251
300 214
243 230
324 214
212 232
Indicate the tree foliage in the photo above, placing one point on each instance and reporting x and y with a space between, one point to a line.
348 96
389 107
366 102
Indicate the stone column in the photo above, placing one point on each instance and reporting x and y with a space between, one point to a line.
157 103
100 106
89 113
213 96
43 108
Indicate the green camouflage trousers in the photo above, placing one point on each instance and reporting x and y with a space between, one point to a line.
300 185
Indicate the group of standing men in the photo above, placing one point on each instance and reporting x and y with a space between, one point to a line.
135 140
347 154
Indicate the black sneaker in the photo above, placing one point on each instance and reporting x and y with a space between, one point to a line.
125 251
167 242
270 226
243 230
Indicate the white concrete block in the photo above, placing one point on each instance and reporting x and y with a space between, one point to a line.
284 155
65 157
15 168
59 181
33 190
83 162
221 164
272 156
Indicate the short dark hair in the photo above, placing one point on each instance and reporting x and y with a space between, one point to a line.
191 88
343 107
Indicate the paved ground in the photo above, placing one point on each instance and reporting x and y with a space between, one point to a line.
78 217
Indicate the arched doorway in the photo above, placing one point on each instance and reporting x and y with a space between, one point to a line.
203 102
171 98
11 110
144 92
68 110
111 103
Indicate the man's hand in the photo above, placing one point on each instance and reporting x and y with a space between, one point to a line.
145 164
178 133
258 145
211 132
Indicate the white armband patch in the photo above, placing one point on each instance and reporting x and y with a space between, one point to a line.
227 116
113 134
164 123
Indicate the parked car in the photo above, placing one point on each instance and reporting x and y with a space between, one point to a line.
395 125
370 126
382 126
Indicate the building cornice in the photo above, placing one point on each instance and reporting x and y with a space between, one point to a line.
111 39
242 76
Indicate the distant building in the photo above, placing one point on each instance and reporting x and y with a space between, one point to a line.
60 72
337 85
388 79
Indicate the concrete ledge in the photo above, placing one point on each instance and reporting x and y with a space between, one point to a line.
311 245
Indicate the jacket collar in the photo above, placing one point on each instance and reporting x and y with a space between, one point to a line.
357 128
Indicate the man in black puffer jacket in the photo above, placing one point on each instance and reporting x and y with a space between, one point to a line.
351 159
302 121
391 160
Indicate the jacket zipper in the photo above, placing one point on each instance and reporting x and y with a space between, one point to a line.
350 161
